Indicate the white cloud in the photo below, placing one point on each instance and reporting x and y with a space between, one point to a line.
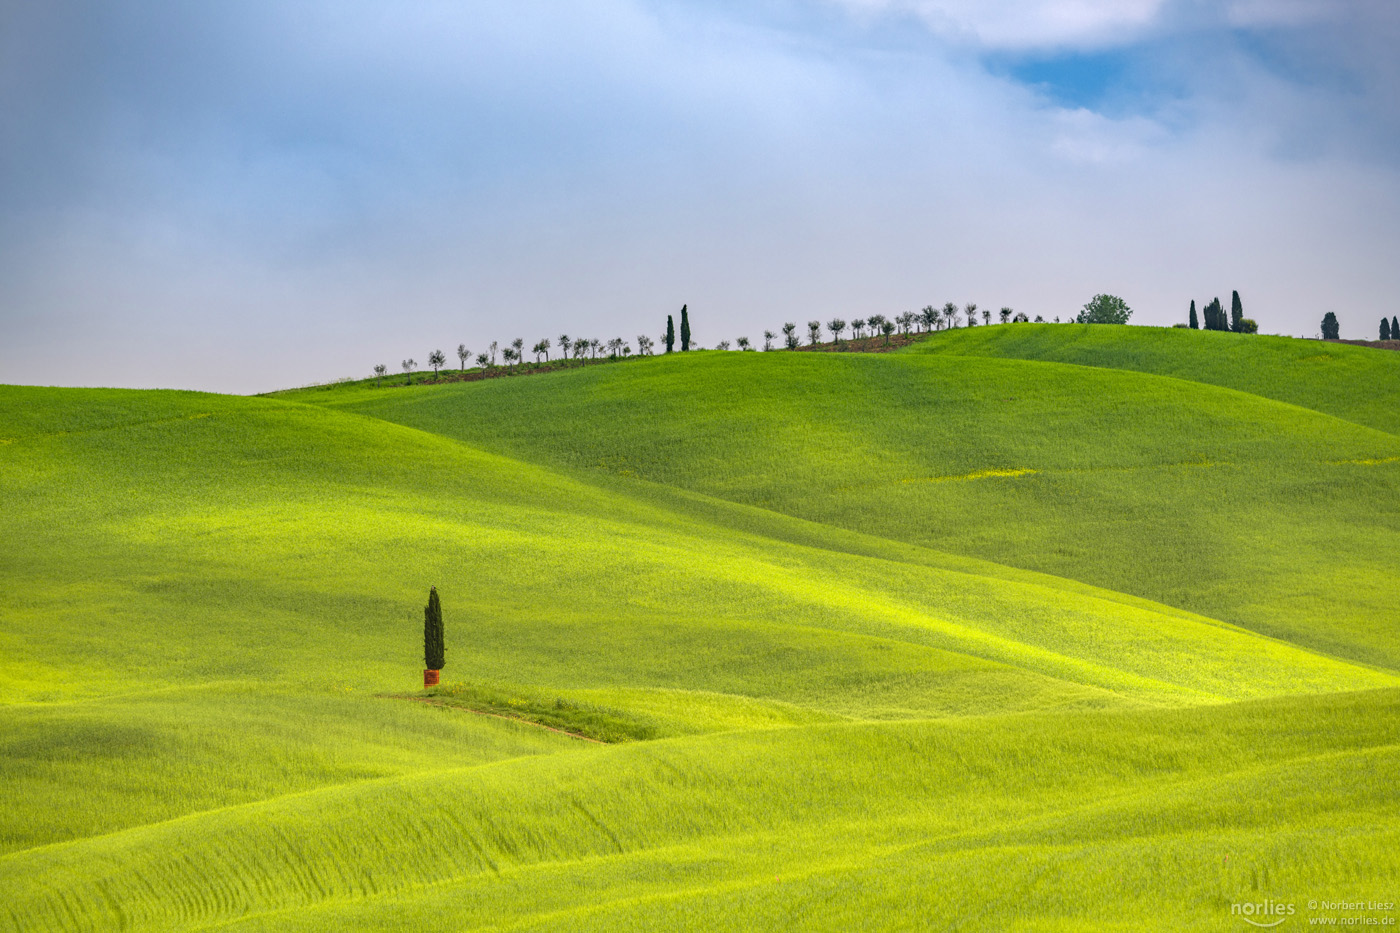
1090 138
1026 24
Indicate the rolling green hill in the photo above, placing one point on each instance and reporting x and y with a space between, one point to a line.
1229 505
927 639
1351 382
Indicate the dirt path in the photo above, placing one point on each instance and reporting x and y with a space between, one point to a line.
477 712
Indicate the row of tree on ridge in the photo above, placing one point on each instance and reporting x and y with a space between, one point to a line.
1101 309
928 319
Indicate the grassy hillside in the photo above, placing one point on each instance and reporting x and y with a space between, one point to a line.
894 641
1105 821
1229 505
1360 384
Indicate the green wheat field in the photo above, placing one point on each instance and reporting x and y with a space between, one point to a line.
1022 627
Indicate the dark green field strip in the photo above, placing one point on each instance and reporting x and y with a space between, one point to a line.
1359 384
1247 770
30 415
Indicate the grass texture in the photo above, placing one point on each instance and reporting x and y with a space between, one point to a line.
946 638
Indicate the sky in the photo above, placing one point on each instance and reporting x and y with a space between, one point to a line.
241 197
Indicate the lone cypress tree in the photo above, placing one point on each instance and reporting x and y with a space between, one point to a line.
433 649
670 334
1385 329
1236 313
1394 329
685 330
1331 328
1195 322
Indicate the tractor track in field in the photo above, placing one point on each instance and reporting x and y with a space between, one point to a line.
478 712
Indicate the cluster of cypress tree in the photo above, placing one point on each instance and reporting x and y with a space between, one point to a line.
1390 330
671 331
1216 319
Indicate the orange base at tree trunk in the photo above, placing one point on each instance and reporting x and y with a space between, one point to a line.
430 678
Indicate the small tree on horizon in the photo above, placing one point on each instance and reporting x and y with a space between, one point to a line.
436 359
1331 328
814 333
381 369
950 314
493 348
971 311
434 651
685 329
790 335
1236 313
483 360
670 334
408 366
887 328
1193 322
1385 328
564 343
1394 328
644 345
463 355
1105 309
836 326
743 343
1005 314
768 336
518 345
928 317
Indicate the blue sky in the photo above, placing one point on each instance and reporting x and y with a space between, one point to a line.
241 197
